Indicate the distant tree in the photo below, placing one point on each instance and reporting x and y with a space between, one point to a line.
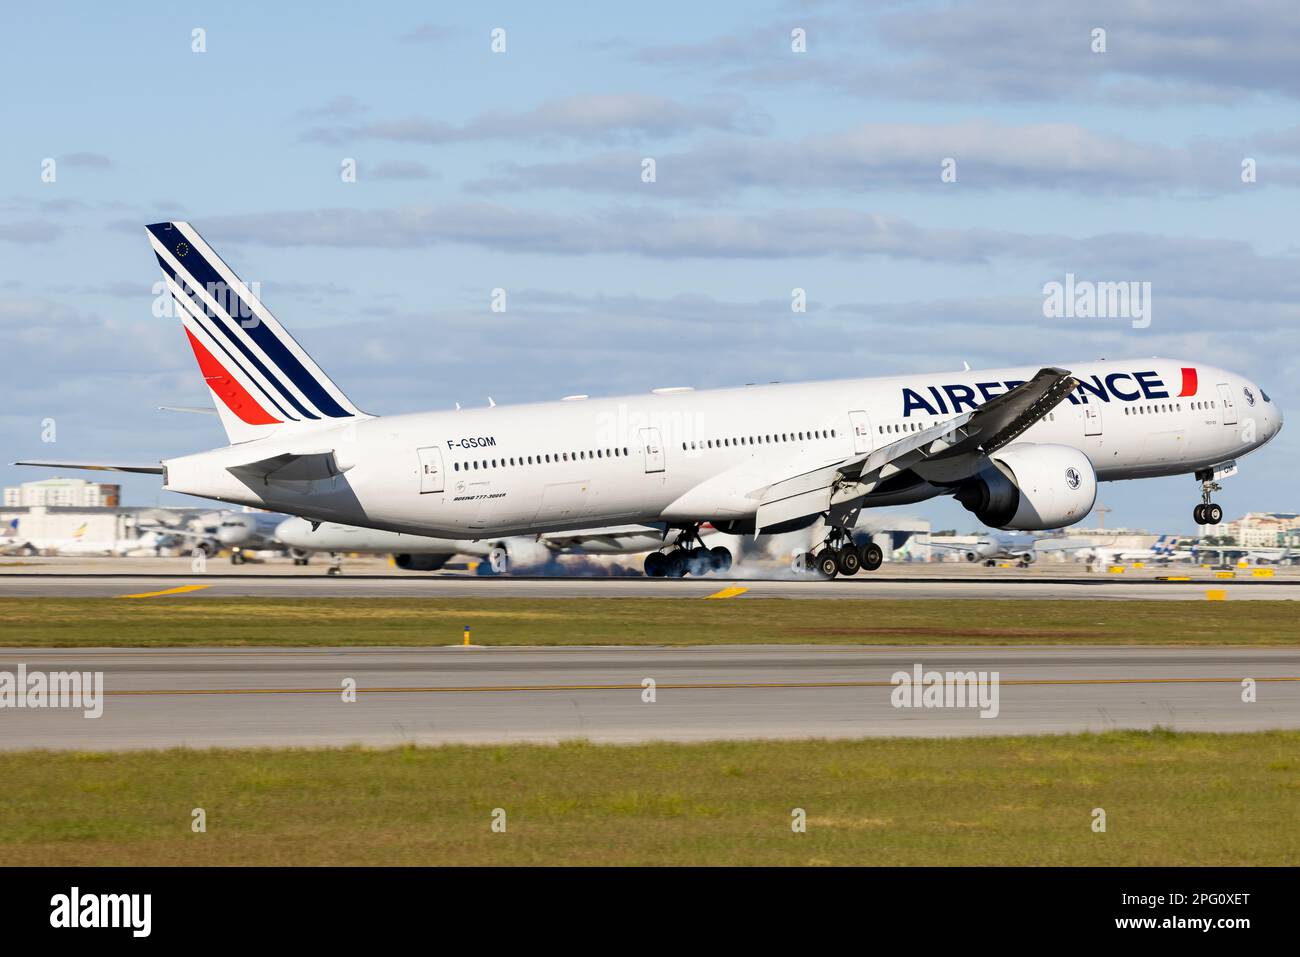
945 531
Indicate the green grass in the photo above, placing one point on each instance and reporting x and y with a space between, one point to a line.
1170 799
188 621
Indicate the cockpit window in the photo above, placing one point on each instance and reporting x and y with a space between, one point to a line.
1264 395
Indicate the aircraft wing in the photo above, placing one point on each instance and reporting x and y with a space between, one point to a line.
156 469
953 545
960 443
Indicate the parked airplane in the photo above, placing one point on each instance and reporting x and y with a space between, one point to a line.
1023 548
425 554
1162 550
1225 554
1020 448
11 542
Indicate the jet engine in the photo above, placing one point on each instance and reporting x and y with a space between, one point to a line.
420 563
515 554
1031 486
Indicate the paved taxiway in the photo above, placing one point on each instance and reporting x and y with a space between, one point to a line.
111 580
278 697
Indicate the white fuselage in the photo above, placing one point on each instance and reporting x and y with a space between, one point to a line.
681 455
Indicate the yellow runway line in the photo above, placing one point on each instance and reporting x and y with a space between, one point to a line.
728 592
169 591
700 686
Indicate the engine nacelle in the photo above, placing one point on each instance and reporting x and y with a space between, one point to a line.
1032 486
420 563
972 557
524 552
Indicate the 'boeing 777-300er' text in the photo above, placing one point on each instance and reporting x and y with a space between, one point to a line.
1022 448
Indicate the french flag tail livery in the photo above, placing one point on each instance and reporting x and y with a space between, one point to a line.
260 378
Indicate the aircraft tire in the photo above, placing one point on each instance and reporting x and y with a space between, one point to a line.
824 564
847 561
872 556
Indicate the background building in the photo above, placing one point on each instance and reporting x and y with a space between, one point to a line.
1264 530
72 493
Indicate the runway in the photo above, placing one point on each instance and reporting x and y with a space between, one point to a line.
294 697
899 583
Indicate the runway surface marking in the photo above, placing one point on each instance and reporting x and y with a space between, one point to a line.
168 591
705 685
728 592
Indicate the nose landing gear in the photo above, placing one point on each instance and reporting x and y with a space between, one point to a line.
1207 513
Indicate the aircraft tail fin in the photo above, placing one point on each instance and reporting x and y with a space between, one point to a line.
261 379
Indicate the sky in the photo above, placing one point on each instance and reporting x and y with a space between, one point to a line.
795 146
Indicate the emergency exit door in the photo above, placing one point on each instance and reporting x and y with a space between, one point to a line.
1091 420
1229 406
430 469
861 426
654 450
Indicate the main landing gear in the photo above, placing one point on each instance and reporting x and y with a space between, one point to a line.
1207 513
838 556
688 555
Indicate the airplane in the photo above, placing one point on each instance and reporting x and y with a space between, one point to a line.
1162 550
1022 548
427 554
11 543
211 531
1226 554
1021 448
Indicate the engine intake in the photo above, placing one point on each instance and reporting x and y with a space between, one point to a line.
1032 486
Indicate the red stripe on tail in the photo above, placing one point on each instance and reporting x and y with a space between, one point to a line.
1189 383
228 388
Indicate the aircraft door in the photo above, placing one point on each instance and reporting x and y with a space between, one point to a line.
654 450
431 479
1091 420
1229 407
861 426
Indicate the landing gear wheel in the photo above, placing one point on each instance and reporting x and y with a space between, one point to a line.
1198 515
721 556
676 567
847 560
872 556
656 565
825 564
1213 514
801 563
1024 564
236 557
499 560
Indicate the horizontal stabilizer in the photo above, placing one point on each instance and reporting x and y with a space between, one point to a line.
191 409
98 467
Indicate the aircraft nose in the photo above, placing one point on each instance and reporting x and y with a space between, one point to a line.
292 531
